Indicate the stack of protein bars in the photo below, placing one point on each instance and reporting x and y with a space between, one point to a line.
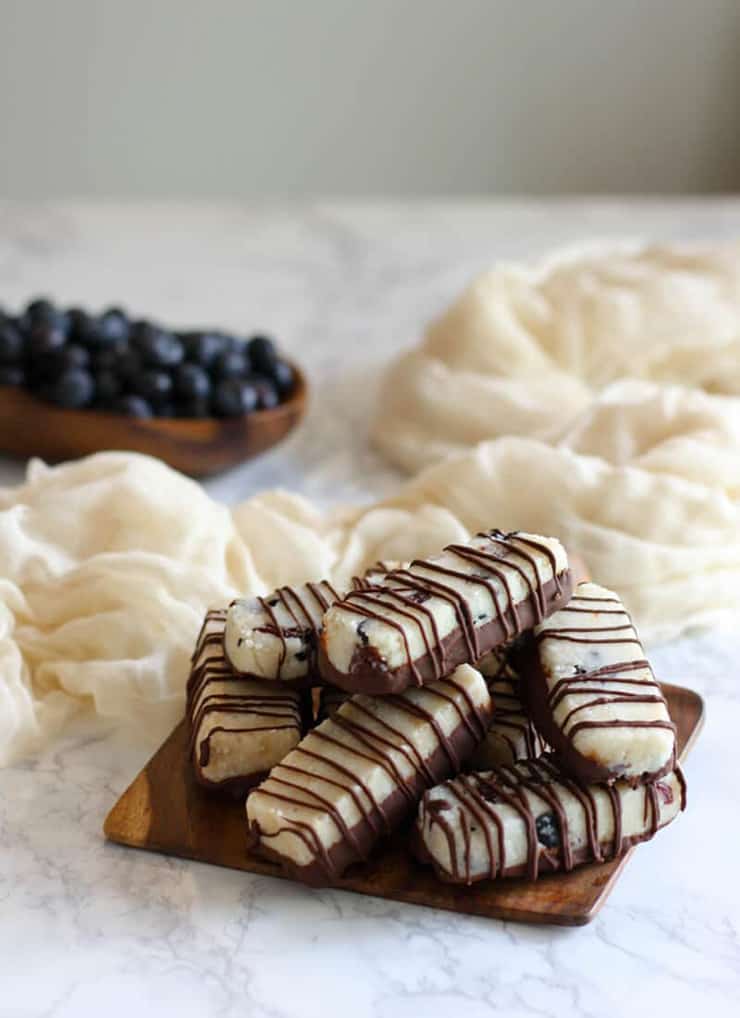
437 687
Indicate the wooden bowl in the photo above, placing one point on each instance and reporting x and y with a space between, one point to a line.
31 427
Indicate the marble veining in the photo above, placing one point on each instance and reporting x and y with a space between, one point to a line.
87 927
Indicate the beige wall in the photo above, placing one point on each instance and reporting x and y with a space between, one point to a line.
230 97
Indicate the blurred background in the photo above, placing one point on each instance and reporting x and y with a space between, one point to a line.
251 98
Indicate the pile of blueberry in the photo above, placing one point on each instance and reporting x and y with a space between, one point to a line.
108 362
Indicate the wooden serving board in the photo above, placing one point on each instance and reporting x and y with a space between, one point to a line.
164 810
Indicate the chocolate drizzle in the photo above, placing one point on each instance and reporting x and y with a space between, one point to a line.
344 755
305 607
630 682
482 804
511 735
330 700
408 602
245 707
297 613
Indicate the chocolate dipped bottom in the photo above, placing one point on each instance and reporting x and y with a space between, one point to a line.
426 619
528 819
330 700
276 637
239 728
354 778
512 735
593 695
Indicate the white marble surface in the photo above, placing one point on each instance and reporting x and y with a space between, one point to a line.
87 927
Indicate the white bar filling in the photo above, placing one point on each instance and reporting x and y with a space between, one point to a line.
275 636
464 823
593 645
356 769
242 727
524 566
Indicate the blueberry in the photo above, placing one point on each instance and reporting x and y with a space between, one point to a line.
132 406
548 833
232 344
50 366
42 369
283 376
191 381
81 326
160 349
45 338
40 308
165 409
42 312
195 406
232 364
267 394
12 374
262 354
72 389
109 359
234 397
488 792
11 342
72 356
155 386
118 313
111 329
141 331
128 365
107 386
203 347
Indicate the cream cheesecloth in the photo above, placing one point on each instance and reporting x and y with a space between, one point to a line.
525 349
108 564
593 398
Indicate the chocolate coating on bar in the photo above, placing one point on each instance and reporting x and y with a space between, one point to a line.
330 700
621 685
482 816
399 604
511 735
339 757
244 708
296 614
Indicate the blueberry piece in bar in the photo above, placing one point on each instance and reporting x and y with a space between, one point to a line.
239 728
426 619
355 777
593 695
511 736
528 818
